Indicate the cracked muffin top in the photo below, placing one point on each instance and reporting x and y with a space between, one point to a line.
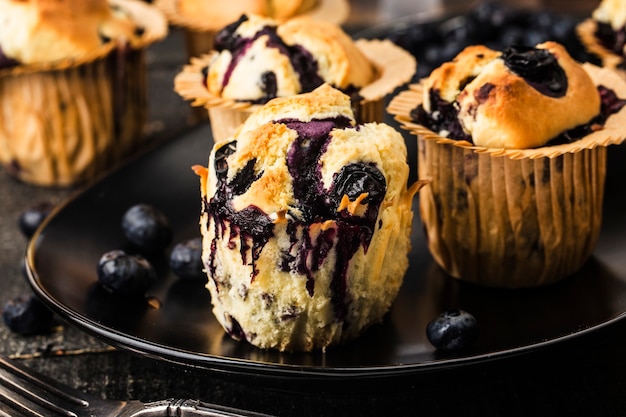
42 31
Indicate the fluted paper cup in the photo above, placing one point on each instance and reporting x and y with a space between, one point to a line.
66 122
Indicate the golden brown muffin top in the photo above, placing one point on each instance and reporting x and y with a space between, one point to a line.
260 58
500 108
35 31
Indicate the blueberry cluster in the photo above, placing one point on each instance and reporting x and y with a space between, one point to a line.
26 314
149 232
495 25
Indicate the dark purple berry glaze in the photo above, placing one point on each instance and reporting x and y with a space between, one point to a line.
443 116
538 67
315 204
302 61
249 224
5 61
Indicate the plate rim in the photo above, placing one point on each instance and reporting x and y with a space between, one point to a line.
244 366
172 354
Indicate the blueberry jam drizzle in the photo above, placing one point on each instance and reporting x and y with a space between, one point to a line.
444 117
318 205
249 224
538 67
301 60
310 246
609 104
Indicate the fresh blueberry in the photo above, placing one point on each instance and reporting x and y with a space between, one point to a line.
121 273
356 179
31 218
147 228
452 330
27 315
186 259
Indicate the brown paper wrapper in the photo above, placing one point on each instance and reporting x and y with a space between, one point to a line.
199 31
394 67
512 218
66 122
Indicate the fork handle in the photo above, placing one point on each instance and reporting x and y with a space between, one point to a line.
191 408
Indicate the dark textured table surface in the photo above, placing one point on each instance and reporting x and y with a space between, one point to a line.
582 376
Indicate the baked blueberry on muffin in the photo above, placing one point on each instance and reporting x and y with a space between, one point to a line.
72 85
257 58
514 144
476 90
306 221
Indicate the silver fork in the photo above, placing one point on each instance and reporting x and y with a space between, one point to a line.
24 392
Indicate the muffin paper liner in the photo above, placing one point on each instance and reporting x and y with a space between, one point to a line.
394 67
512 218
66 122
200 31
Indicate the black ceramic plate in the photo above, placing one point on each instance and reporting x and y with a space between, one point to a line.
62 260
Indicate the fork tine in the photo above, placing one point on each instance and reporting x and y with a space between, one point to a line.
27 393
32 395
30 377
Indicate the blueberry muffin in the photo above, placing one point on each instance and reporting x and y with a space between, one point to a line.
514 144
306 222
72 85
201 19
76 29
604 33
257 58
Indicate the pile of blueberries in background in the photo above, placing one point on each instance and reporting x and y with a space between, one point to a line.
492 24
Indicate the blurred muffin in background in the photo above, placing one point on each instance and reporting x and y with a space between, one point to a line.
72 85
604 33
258 58
202 19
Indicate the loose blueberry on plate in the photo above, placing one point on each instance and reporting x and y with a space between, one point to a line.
121 273
27 315
186 259
31 218
147 228
453 329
